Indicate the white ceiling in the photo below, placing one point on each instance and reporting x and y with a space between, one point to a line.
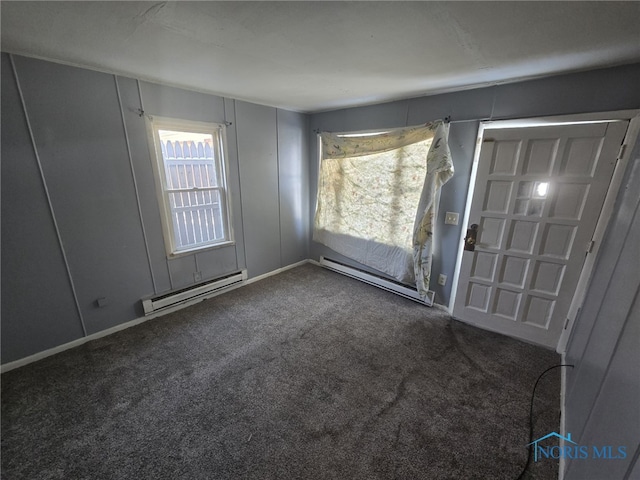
313 56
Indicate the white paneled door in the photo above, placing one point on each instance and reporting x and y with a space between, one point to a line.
537 198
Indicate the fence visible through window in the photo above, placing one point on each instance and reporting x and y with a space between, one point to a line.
193 187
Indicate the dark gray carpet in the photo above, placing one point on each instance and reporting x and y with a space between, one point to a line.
305 375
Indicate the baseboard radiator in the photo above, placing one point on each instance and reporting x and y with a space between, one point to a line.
377 281
192 294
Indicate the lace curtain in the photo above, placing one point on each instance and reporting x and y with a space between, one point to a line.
376 198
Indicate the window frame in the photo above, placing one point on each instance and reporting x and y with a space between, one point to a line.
221 161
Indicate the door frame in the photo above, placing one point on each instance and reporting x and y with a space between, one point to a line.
633 132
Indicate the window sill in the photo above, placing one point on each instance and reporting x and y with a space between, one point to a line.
203 248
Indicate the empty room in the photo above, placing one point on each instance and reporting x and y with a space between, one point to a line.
285 240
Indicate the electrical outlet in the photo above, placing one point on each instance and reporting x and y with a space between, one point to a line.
451 218
442 279
197 276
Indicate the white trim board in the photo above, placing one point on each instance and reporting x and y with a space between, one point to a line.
595 117
563 414
132 323
466 215
275 272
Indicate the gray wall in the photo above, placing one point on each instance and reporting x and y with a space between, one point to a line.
86 225
598 90
34 276
80 218
103 214
603 389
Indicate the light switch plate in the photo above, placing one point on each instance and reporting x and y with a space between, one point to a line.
451 218
442 279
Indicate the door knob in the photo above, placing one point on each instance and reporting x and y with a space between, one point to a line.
470 239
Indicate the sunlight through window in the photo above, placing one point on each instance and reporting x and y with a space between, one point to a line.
542 188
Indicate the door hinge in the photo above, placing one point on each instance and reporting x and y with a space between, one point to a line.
623 147
590 246
566 324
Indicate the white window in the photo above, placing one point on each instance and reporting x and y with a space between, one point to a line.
190 171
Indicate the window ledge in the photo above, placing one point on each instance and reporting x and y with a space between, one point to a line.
203 248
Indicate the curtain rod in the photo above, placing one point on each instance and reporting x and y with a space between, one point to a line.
446 120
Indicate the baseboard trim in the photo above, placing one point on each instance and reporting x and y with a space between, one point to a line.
74 343
275 272
132 323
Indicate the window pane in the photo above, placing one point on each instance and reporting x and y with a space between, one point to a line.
199 221
189 159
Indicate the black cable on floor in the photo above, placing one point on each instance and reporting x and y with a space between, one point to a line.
533 396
